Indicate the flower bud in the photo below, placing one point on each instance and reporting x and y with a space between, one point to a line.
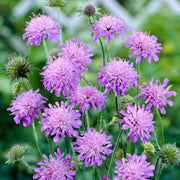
18 67
89 10
16 88
119 154
126 99
148 147
56 3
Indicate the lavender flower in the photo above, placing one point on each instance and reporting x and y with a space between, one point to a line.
77 52
92 146
138 121
26 105
41 27
156 94
58 167
134 168
60 120
118 74
107 26
143 45
60 75
87 95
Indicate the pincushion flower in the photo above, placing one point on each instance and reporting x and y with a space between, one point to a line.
77 53
139 121
92 146
60 119
59 75
143 45
86 95
134 168
156 94
54 168
41 27
107 26
26 106
118 75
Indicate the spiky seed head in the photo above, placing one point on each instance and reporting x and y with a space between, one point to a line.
89 10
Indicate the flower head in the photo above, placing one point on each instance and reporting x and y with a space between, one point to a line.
92 146
58 167
26 105
107 26
139 121
56 3
41 27
156 94
89 10
117 75
148 147
134 168
77 53
143 45
60 120
86 95
60 75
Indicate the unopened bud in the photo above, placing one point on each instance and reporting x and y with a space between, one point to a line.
56 3
148 147
89 10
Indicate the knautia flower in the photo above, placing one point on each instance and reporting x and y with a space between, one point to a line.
55 168
77 53
138 121
170 154
87 95
117 75
107 26
26 105
92 146
134 168
143 45
59 75
41 27
60 119
104 177
156 94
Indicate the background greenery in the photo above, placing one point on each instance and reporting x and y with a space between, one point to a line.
165 24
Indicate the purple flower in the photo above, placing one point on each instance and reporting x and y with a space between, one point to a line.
143 45
77 52
139 121
134 168
92 146
156 94
117 74
60 120
107 26
104 177
60 75
58 167
41 27
26 105
87 95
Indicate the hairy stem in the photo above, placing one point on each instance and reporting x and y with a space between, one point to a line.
46 50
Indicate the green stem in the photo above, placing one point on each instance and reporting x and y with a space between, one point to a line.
155 136
159 172
66 139
87 117
103 52
137 90
27 83
108 51
156 168
35 136
50 145
116 103
26 165
129 146
113 154
85 80
46 50
59 23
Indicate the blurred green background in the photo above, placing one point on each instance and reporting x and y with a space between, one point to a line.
160 19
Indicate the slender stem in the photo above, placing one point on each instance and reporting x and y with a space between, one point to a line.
116 102
159 172
156 168
108 51
35 136
66 139
59 23
50 145
155 136
103 52
87 117
113 154
27 83
26 165
75 159
137 90
46 49
129 145
85 80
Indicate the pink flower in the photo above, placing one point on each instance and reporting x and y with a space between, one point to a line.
26 105
134 168
143 45
156 94
77 53
54 168
92 146
138 121
117 75
60 75
60 120
107 26
41 27
86 95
